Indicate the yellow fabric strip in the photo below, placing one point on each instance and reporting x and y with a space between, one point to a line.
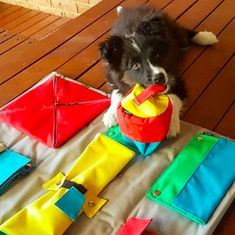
101 161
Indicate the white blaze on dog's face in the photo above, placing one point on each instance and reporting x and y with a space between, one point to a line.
142 66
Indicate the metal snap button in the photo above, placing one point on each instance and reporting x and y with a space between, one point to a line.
156 193
58 183
199 138
111 133
2 147
91 204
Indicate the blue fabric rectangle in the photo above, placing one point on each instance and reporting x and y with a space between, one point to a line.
71 203
10 163
209 183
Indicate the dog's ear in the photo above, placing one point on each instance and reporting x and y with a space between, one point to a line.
111 50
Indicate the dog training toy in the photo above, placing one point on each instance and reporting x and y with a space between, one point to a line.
197 180
144 117
54 110
74 193
12 166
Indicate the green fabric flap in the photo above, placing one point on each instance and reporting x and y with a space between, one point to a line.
173 179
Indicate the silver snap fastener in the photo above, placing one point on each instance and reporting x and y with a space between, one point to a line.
111 133
58 183
91 204
199 138
156 193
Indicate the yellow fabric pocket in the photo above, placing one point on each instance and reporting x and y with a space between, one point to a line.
100 162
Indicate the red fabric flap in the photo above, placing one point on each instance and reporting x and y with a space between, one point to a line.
135 226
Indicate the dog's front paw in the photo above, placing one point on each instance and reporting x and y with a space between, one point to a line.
110 119
174 128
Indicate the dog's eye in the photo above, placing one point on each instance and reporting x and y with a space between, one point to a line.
136 66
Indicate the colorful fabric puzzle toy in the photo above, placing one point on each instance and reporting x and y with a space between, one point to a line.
54 110
197 180
12 167
74 193
136 226
144 117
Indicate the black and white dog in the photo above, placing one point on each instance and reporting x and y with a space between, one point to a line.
145 47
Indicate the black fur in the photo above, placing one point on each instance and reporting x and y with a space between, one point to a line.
159 40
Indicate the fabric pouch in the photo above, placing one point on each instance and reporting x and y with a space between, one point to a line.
144 115
197 180
12 166
54 109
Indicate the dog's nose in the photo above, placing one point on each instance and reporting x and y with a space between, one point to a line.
159 78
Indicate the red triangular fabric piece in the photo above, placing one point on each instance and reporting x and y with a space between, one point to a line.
69 119
36 123
134 226
35 112
71 92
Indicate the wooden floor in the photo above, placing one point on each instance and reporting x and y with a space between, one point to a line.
32 44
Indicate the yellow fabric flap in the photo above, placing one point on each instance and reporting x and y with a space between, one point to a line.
151 107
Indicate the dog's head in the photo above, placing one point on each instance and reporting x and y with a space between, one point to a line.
141 50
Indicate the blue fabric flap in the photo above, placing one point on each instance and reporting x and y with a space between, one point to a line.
209 183
10 163
145 149
71 203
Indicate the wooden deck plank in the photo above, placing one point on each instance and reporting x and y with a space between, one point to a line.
38 50
178 7
9 11
202 71
4 6
10 43
226 125
219 96
21 19
215 22
15 40
33 29
200 10
13 17
30 22
62 54
49 29
5 36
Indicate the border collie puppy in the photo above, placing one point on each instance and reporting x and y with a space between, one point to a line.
145 47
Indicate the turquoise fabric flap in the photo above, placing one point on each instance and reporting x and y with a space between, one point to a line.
71 203
209 183
10 163
145 149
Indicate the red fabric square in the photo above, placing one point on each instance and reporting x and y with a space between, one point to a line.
55 110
